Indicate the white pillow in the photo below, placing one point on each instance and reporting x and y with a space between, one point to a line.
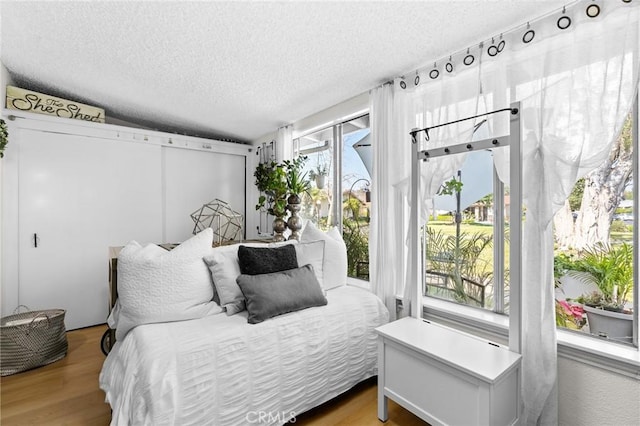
335 255
309 253
312 254
225 269
156 285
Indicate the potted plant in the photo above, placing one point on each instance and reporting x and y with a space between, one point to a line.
319 174
281 185
297 184
4 135
271 181
610 268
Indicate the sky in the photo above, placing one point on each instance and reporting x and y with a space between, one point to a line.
353 168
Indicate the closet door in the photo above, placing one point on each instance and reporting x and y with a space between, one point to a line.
193 178
78 195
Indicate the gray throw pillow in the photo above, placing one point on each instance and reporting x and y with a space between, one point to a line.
264 260
276 293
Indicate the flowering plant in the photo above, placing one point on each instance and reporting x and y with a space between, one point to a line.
568 315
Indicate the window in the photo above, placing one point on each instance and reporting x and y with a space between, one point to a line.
466 241
595 260
595 250
338 165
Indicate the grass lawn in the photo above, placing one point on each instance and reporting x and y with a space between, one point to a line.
449 228
626 237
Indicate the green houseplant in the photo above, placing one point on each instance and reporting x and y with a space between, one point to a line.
319 175
271 181
297 184
4 136
610 268
281 185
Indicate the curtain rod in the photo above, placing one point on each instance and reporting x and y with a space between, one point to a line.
414 132
570 5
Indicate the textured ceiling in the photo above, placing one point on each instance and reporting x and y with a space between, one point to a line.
234 69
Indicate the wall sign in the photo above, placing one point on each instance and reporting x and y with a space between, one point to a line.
27 100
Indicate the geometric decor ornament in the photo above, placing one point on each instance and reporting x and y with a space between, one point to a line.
217 215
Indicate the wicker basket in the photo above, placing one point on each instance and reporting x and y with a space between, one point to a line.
31 339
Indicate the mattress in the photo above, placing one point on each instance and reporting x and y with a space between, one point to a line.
220 370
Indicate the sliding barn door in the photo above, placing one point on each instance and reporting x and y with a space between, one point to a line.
193 178
78 195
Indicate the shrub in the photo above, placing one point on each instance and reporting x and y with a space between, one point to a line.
357 243
619 226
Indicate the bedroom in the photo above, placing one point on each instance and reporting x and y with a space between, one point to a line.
141 83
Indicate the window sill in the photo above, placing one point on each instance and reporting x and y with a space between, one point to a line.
357 282
613 357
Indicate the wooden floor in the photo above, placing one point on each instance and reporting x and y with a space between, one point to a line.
67 393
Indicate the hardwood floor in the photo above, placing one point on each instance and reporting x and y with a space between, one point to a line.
67 393
63 393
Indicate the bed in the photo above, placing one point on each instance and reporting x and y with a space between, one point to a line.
222 370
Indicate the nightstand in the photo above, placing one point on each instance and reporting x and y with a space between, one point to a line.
447 377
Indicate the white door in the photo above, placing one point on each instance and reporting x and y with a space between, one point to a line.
78 195
193 178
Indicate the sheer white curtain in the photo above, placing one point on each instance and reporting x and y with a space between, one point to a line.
389 189
394 111
575 87
284 143
578 90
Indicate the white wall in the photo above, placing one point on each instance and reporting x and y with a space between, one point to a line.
592 396
324 118
5 80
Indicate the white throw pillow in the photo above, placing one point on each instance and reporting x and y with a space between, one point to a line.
335 255
309 253
156 285
225 269
312 253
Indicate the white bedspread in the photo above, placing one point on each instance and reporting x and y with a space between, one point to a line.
219 370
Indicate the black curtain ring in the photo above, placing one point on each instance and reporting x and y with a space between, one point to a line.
493 51
416 81
449 67
501 46
403 84
468 60
564 22
626 1
528 36
593 10
433 74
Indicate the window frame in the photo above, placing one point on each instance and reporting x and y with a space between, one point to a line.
612 356
337 144
498 248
